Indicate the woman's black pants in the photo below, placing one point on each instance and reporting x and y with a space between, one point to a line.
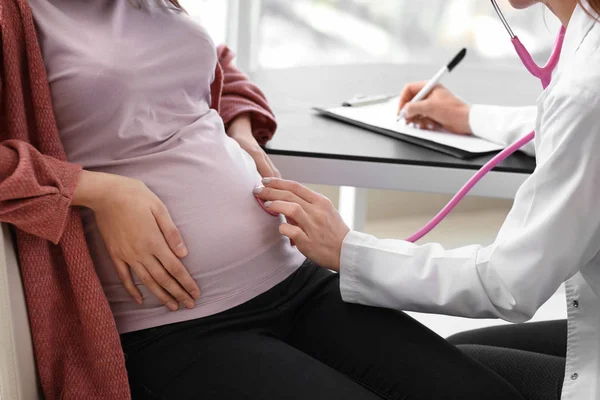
300 341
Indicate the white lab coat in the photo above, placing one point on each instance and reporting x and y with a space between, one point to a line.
551 235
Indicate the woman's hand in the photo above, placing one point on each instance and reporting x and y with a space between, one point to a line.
139 235
241 131
317 228
441 109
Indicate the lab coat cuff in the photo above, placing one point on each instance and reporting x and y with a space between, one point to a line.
479 121
349 268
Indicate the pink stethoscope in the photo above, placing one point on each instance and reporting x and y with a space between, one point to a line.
545 76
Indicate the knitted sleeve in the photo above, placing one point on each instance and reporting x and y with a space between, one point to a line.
35 190
240 96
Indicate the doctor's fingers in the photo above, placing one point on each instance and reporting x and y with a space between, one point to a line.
423 109
295 233
272 194
296 188
424 123
294 211
409 92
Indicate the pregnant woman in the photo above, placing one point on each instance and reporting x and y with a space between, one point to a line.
209 299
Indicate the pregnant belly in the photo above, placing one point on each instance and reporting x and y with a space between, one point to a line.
233 243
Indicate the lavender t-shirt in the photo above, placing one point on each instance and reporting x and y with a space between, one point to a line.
131 93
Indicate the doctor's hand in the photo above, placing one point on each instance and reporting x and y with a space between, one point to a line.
139 236
441 109
314 224
240 130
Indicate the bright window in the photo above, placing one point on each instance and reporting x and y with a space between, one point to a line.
313 32
212 14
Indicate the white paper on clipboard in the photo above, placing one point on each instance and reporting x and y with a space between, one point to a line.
383 116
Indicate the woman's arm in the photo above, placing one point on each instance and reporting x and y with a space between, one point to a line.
36 195
503 125
35 190
241 131
245 111
239 96
551 233
140 236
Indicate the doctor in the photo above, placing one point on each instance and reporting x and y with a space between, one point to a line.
551 236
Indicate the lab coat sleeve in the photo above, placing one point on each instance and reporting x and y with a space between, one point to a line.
551 232
503 125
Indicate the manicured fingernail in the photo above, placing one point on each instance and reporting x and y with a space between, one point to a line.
258 190
266 181
172 306
189 304
195 294
268 204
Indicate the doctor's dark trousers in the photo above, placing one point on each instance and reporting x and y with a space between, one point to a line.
300 341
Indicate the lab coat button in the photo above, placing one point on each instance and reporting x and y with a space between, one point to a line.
576 304
574 377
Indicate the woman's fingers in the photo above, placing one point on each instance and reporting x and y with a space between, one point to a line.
124 273
168 271
276 172
299 190
169 230
263 165
148 280
178 271
164 279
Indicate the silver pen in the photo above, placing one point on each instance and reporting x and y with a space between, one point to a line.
361 101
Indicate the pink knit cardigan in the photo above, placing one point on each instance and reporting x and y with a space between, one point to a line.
75 338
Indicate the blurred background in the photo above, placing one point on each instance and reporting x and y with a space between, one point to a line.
276 34
294 33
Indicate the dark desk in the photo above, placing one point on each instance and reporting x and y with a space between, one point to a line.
313 149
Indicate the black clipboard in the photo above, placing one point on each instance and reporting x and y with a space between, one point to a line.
451 151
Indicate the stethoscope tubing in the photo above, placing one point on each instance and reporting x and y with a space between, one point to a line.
545 76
